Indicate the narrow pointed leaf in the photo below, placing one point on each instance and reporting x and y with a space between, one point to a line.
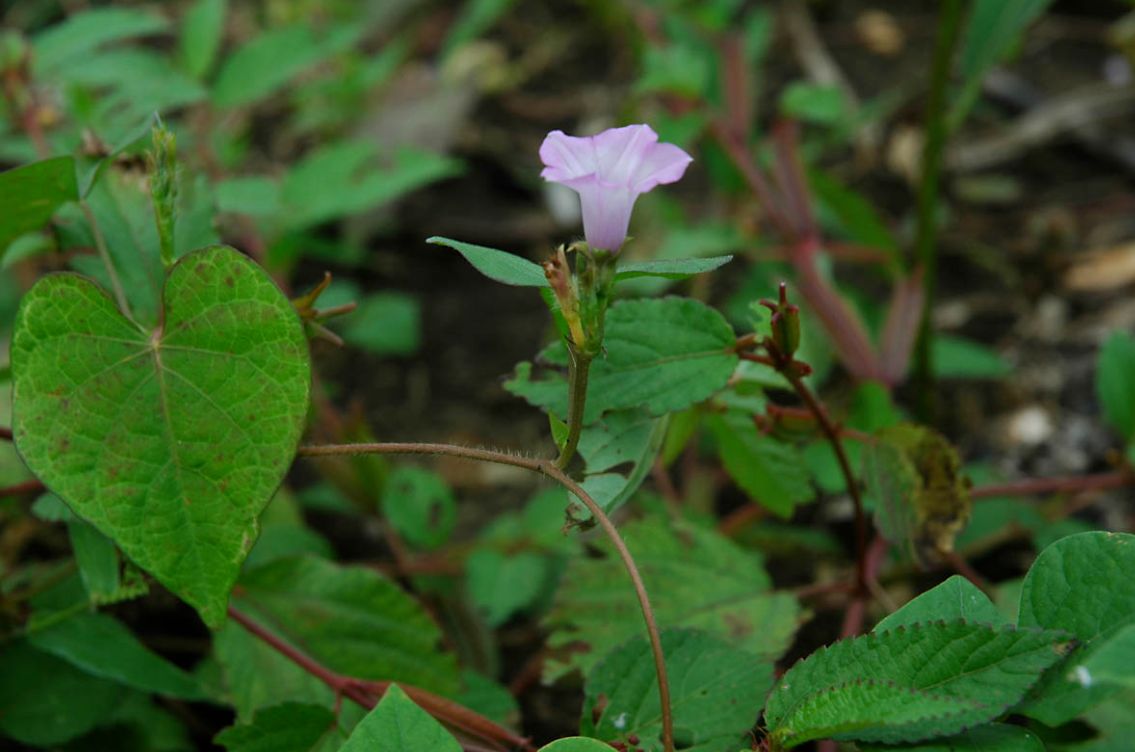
499 265
671 268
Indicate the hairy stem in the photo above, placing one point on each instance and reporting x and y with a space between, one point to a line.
925 248
548 468
104 255
578 370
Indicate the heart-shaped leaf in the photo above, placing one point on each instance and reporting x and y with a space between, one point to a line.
171 441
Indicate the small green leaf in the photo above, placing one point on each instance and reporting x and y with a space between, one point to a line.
954 675
813 103
717 692
671 268
169 442
665 353
1081 584
290 727
265 64
398 725
695 578
957 358
956 598
44 700
420 506
504 584
201 33
498 265
102 646
1115 383
559 431
771 472
349 177
992 737
31 194
97 558
386 323
78 36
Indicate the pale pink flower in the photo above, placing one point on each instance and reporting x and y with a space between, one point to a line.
609 171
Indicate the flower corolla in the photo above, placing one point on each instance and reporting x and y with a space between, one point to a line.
609 171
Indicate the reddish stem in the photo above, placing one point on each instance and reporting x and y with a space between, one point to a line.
1037 486
21 488
6 433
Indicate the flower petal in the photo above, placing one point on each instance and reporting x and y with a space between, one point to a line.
619 151
567 157
606 212
662 163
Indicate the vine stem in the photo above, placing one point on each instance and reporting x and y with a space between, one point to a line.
549 469
21 488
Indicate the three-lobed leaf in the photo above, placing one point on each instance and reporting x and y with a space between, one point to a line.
958 674
170 441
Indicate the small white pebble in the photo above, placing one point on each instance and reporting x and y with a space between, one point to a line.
1030 425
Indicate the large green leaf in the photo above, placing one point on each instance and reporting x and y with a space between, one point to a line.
665 353
352 620
398 725
31 194
1081 584
717 692
1115 383
576 744
992 737
497 265
170 441
289 727
44 700
102 646
771 472
956 598
912 683
1112 663
695 578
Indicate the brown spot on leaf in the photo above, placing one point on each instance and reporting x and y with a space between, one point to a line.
229 281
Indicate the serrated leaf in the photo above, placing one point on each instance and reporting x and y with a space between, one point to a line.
771 472
956 598
169 442
992 737
201 33
352 620
31 194
984 671
44 700
695 578
85 32
290 727
507 268
664 353
1115 383
102 646
1081 584
398 725
420 506
717 692
671 268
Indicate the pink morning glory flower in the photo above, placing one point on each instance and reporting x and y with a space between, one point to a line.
609 171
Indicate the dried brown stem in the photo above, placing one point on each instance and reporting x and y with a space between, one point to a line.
548 468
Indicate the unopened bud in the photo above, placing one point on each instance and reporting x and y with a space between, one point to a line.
785 323
558 274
